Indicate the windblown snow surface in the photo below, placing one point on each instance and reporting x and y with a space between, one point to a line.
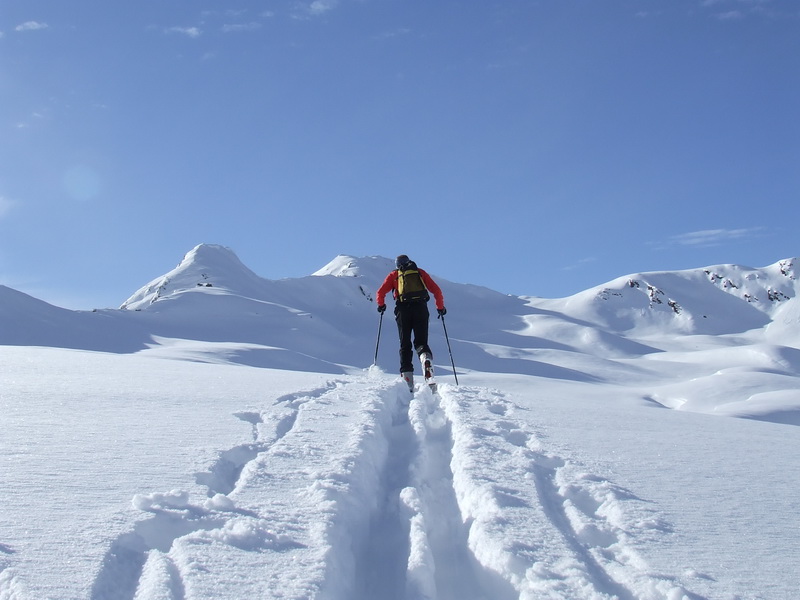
223 436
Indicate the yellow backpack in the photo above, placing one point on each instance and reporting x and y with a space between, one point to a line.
410 287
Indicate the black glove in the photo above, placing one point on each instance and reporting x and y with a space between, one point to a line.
381 308
442 311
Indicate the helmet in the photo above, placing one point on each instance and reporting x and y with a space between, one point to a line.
402 261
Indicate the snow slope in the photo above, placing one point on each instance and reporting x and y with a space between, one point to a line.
228 441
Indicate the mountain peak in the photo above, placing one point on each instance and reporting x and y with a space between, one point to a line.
371 267
213 252
204 266
212 258
341 266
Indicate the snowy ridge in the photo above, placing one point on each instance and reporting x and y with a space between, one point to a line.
205 266
713 300
371 268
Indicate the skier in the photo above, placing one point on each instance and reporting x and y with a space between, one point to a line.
410 286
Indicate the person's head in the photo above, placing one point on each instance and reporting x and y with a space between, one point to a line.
402 261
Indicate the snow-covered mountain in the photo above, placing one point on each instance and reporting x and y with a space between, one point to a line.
714 300
211 281
144 457
326 322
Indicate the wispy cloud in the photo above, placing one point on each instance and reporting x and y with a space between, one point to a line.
36 117
31 26
581 263
730 15
318 7
386 35
734 10
740 2
192 32
229 14
241 27
714 237
315 8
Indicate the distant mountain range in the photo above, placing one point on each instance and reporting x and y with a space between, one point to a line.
328 321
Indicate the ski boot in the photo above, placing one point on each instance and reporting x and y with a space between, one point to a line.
427 370
408 377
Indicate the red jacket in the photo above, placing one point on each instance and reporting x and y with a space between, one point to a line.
390 283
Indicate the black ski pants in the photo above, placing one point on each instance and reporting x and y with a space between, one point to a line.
412 319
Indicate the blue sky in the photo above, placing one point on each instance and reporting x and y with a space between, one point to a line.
535 147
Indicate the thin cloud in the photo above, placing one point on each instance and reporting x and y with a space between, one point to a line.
734 10
230 13
714 237
581 263
31 26
740 2
192 32
316 8
240 27
386 35
319 7
38 116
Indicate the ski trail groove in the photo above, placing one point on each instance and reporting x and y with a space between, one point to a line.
224 474
137 565
417 543
442 532
381 563
538 520
544 470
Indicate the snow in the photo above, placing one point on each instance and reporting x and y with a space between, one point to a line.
231 441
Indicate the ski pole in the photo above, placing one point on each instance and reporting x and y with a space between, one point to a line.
449 349
380 323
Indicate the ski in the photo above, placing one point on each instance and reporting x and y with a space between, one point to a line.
427 371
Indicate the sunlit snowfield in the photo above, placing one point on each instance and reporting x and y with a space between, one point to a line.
637 440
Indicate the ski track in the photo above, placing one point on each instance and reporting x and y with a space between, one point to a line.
581 545
138 566
359 490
